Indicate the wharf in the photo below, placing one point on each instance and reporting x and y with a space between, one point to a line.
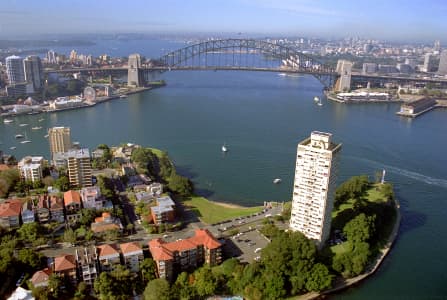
408 109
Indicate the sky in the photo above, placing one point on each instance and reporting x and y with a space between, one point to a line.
409 20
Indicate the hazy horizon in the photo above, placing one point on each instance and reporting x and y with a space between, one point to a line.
421 21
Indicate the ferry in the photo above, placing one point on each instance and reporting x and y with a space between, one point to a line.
7 121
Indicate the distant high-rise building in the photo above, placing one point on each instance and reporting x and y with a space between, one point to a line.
344 68
412 62
33 71
369 68
51 57
437 45
429 63
79 168
60 139
14 69
134 73
73 56
314 186
443 63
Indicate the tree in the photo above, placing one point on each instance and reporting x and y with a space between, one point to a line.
114 285
54 286
62 183
180 185
30 258
182 287
8 180
29 232
359 229
157 289
319 278
148 269
69 236
48 181
87 216
82 291
205 282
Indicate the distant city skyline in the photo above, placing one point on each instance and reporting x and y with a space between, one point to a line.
393 20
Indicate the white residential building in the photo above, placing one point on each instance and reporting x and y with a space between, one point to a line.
91 197
31 168
314 186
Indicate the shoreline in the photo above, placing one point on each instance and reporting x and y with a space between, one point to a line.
372 269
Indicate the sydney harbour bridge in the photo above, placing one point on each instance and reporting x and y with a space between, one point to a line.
242 55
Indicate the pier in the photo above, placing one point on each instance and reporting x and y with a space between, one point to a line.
418 107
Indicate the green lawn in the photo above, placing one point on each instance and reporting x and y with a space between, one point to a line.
211 212
341 248
374 194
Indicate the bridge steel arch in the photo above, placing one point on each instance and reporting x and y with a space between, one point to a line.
295 61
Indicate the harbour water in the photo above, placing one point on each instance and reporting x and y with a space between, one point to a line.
261 117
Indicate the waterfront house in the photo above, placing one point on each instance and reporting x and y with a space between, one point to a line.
10 213
42 209
132 255
56 209
164 211
28 212
92 198
40 278
109 257
87 264
72 203
65 266
106 222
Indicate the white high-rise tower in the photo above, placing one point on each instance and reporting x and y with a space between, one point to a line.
314 186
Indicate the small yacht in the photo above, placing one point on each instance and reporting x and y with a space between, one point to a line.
319 102
277 180
45 136
25 142
123 96
19 136
12 148
40 120
316 99
224 148
23 124
7 121
36 127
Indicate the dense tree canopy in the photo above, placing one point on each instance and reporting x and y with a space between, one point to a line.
157 289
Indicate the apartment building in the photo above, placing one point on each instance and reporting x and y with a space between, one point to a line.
314 186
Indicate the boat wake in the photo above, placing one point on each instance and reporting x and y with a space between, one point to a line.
410 174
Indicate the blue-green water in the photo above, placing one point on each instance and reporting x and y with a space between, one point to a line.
261 117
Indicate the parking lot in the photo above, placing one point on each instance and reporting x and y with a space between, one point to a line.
246 246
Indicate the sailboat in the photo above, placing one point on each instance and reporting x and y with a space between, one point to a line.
319 102
224 148
26 141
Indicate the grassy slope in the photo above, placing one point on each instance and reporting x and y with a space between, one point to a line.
212 212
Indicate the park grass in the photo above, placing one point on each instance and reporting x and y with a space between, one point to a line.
340 248
212 212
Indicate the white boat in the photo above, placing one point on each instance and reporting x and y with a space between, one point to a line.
23 124
25 142
319 102
36 127
224 148
12 148
40 120
7 121
19 136
277 180
282 74
123 96
316 99
45 136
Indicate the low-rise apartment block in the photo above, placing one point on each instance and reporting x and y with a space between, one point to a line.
10 213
